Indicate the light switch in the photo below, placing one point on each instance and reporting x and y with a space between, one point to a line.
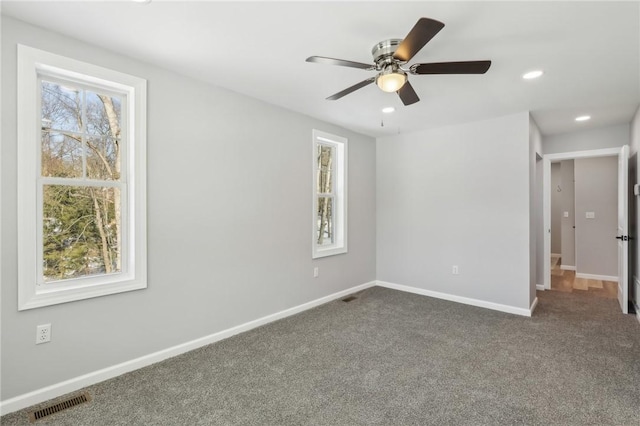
591 215
566 214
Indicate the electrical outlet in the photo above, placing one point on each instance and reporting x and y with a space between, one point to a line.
43 333
316 272
455 270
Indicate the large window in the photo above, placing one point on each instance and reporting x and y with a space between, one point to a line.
329 222
81 200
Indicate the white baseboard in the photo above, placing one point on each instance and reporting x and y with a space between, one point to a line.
556 254
453 298
597 277
26 400
567 267
540 287
533 306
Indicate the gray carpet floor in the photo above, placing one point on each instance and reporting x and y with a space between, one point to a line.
392 358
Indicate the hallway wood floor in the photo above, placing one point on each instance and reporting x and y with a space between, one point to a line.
566 281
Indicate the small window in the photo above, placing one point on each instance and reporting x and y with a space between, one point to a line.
329 221
81 133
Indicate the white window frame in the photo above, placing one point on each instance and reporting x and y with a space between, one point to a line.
33 65
339 195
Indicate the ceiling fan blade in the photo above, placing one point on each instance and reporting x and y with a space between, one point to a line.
351 89
423 31
340 62
466 67
407 95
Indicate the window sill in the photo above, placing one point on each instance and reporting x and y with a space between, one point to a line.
329 251
48 297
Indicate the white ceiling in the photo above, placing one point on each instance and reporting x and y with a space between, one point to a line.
590 52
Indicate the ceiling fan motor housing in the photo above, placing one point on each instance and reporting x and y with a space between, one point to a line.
383 52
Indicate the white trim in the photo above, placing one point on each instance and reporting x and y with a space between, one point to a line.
533 306
540 287
556 254
597 277
459 299
44 394
567 267
606 152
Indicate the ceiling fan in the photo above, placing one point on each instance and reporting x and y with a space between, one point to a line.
389 56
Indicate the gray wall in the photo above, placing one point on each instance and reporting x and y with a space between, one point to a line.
599 138
567 204
556 209
596 190
229 212
441 203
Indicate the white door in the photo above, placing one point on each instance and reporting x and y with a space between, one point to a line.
623 231
546 205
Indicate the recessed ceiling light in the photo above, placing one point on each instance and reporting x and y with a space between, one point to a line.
583 118
388 110
532 74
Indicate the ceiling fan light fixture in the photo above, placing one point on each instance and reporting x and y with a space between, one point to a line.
391 79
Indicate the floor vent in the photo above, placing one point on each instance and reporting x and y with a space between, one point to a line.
60 406
349 299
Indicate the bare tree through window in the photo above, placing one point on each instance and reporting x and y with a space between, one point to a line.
324 187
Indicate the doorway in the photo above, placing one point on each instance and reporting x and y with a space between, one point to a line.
603 283
596 185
